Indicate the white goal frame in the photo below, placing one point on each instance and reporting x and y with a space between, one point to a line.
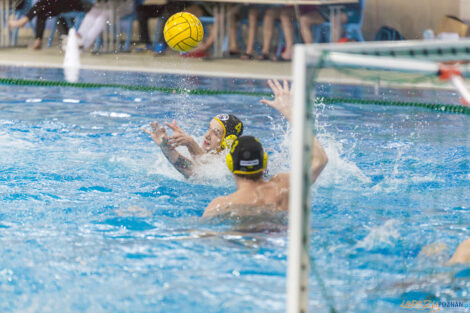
404 56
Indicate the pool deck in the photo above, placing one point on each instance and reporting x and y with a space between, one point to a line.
148 62
172 63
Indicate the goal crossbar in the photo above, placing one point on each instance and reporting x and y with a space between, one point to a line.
423 57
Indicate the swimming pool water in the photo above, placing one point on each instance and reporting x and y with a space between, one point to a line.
94 219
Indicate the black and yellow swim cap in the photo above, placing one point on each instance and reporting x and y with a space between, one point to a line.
247 156
231 125
233 128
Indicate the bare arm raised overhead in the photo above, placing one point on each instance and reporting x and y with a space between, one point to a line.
283 103
182 164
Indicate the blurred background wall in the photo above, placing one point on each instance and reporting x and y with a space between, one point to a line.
410 17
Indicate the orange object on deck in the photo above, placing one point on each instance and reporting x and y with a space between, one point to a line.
446 72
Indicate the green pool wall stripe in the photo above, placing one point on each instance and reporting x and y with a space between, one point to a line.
436 107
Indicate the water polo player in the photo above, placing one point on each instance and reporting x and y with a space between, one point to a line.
247 160
223 130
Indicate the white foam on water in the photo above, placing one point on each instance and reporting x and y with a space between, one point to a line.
395 145
71 101
34 100
72 58
211 169
83 154
110 114
380 236
279 158
161 166
9 142
339 169
135 164
393 182
119 115
425 179
388 185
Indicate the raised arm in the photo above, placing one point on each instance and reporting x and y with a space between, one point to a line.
182 164
283 103
180 138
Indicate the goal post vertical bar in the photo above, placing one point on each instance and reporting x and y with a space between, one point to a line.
299 201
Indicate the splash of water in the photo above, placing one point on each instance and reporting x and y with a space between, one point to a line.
209 169
110 114
380 236
8 142
72 58
392 182
340 170
213 170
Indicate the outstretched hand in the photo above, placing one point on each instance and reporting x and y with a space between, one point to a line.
282 98
179 137
157 132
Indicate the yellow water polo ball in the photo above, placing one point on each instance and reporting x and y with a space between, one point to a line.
183 31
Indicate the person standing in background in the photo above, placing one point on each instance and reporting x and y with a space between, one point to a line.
43 9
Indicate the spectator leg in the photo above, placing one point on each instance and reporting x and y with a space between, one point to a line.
209 41
205 45
287 17
306 29
306 22
18 23
252 30
144 13
233 31
40 26
268 29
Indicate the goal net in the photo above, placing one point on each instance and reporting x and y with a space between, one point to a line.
427 75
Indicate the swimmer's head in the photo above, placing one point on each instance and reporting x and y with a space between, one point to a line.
223 130
247 158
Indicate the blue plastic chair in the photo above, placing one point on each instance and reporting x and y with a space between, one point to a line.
352 31
72 18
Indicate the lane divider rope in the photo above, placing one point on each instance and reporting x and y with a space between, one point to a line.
432 106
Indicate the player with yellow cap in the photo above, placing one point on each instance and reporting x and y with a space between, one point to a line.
248 161
223 130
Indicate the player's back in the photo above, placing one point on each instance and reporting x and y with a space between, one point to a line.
260 197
